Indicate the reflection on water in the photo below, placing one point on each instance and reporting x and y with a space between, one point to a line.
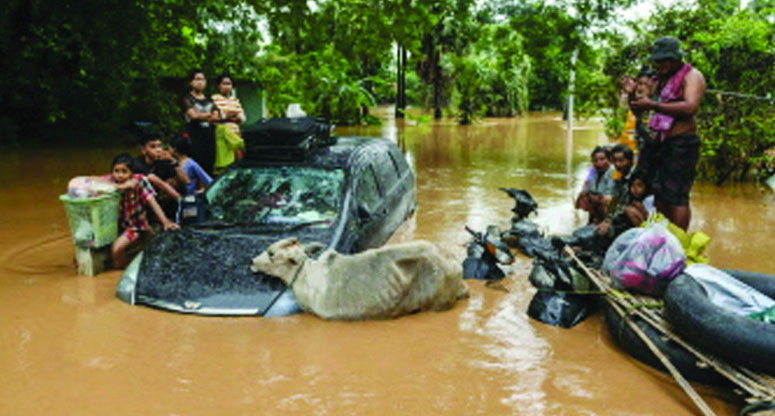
69 346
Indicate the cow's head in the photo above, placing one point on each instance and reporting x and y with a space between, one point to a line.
281 259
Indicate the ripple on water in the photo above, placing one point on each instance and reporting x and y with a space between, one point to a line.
512 349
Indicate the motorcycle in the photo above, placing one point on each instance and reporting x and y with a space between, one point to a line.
485 253
561 299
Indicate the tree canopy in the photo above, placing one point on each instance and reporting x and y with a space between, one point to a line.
79 70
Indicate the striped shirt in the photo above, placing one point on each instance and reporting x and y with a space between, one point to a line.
229 105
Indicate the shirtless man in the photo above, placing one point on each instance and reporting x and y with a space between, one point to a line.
681 89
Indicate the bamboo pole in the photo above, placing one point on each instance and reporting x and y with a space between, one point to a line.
744 378
687 388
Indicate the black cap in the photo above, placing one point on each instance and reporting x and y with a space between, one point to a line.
666 48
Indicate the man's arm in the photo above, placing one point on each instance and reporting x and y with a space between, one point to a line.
164 186
165 222
694 89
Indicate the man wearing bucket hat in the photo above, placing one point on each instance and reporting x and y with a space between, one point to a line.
678 146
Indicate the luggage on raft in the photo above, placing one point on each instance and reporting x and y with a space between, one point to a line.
286 139
733 337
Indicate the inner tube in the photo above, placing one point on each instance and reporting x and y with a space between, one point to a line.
681 358
725 334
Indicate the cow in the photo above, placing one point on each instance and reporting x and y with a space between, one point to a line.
381 283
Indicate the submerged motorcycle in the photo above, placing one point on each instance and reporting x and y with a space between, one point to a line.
485 253
563 292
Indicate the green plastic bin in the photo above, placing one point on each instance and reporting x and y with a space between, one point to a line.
93 221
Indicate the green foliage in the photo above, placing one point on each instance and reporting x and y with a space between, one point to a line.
492 79
316 80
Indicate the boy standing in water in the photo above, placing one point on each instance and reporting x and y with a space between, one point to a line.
137 192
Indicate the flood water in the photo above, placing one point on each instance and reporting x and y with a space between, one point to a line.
68 346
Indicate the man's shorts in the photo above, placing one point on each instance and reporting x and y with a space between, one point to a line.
675 168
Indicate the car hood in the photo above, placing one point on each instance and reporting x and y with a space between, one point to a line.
205 271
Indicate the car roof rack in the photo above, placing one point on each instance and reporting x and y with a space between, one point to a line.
286 139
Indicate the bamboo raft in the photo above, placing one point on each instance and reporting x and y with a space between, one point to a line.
755 387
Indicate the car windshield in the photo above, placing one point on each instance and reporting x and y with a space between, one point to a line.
285 195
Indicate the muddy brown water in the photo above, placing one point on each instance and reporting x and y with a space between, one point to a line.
69 346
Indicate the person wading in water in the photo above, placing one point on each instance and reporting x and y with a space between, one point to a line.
678 149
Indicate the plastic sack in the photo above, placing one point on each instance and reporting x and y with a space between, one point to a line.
83 187
645 259
694 244
729 293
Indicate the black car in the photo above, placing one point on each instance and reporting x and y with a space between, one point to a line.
350 196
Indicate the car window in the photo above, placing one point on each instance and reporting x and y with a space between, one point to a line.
367 190
283 195
386 171
395 164
399 161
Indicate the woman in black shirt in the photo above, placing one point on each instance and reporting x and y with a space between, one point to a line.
200 113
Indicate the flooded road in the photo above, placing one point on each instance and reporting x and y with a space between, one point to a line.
70 347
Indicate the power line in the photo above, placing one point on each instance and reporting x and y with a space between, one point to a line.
740 95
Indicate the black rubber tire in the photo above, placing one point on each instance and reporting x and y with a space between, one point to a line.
683 360
727 335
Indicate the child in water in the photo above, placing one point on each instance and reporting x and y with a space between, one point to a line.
137 193
638 207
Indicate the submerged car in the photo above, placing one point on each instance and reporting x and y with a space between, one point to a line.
349 196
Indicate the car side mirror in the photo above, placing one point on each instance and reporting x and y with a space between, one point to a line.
363 212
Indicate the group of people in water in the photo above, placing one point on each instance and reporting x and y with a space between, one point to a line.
158 179
664 103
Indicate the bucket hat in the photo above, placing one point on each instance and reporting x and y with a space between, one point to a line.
666 48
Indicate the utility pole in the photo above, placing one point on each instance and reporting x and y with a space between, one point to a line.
572 86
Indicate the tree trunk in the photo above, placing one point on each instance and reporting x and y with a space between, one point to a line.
400 87
403 78
436 68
